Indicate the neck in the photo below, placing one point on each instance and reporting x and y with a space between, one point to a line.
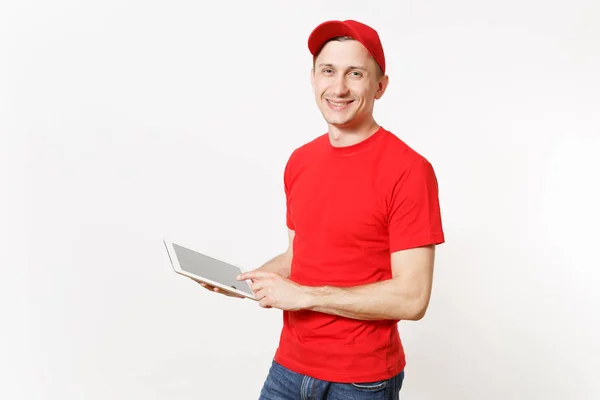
342 136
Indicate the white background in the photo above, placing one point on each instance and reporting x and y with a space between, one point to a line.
125 121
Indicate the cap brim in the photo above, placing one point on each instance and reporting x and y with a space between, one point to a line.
328 30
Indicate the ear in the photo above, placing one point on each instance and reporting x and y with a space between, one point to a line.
382 86
312 78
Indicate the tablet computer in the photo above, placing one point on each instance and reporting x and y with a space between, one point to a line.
202 268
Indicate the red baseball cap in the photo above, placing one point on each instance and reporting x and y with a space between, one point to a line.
366 35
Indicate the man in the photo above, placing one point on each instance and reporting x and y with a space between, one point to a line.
363 219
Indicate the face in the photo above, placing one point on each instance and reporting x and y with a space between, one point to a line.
346 83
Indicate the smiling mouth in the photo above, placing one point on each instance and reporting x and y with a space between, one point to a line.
339 105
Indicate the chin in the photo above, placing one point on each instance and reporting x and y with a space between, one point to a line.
334 118
340 120
339 123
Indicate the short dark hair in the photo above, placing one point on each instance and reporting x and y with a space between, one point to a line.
344 39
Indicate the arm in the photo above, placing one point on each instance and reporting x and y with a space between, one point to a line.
281 264
414 220
404 297
414 226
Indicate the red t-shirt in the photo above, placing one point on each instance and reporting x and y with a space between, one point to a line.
350 207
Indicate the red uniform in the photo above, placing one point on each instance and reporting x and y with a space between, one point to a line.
350 208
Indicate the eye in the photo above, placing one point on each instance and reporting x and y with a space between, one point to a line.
356 74
327 71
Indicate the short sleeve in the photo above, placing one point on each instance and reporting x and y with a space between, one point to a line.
288 197
414 218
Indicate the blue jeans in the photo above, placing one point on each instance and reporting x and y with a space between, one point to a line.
283 384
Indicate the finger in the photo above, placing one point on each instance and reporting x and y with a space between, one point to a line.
254 275
264 303
205 286
259 285
226 293
258 295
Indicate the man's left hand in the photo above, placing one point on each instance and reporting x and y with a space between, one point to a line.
273 290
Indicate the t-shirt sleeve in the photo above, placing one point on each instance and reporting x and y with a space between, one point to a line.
414 215
288 197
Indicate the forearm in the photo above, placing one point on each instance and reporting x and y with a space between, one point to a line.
281 265
377 301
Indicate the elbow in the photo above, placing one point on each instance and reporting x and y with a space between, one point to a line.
416 311
419 314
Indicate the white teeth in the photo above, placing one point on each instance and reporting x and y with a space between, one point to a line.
337 104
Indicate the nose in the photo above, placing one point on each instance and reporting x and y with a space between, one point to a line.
339 87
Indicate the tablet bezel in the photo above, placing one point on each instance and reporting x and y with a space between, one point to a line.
177 268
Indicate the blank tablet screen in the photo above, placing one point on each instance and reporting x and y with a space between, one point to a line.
210 268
